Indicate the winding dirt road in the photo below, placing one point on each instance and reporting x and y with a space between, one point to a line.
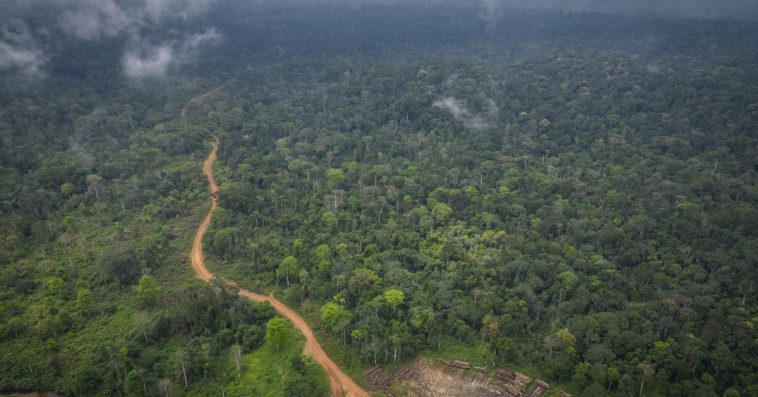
340 383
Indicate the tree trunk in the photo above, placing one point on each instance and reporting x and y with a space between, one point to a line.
184 374
238 358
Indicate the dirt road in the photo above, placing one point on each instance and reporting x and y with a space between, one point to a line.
200 97
340 383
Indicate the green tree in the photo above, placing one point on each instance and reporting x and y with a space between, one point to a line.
55 286
287 268
85 303
67 188
329 220
394 298
613 375
731 392
566 340
335 176
323 256
440 213
508 350
93 181
336 317
147 291
423 319
277 330
119 262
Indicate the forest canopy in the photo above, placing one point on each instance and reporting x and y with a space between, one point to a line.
550 192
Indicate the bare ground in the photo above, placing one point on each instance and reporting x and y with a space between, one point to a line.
433 380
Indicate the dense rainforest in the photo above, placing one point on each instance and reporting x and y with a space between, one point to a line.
556 193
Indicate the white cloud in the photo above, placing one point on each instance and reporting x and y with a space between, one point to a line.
470 120
493 10
95 19
143 60
144 56
152 61
182 9
453 106
19 49
210 36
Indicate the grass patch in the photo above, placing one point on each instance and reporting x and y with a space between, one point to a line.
266 370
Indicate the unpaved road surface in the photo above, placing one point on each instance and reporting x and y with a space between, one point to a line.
198 98
340 383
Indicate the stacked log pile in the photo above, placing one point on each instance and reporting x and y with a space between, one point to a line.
405 374
378 377
540 389
508 383
382 379
460 364
512 384
522 381
505 375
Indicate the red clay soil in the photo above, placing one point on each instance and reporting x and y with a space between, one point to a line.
340 383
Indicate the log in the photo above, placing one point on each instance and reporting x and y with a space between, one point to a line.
460 364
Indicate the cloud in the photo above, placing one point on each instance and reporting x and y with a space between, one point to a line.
92 20
453 106
95 19
143 60
19 49
470 120
210 36
739 9
175 9
152 61
493 10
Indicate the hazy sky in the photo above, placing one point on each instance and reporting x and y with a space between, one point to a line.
25 47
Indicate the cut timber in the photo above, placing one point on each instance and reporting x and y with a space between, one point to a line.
460 364
540 389
405 374
504 374
383 379
378 377
515 384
